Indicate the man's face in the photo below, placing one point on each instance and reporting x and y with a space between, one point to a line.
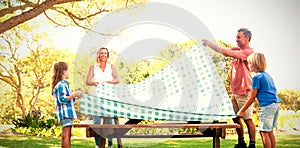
241 39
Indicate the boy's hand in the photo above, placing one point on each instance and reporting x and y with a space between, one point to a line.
240 114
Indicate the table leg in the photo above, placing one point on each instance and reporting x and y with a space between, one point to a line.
103 140
119 141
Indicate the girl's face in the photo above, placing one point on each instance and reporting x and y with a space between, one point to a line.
103 55
66 74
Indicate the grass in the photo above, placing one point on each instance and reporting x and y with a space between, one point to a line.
284 140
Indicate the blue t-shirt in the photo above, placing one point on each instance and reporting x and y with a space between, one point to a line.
267 93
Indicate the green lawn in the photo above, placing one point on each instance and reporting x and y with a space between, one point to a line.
9 140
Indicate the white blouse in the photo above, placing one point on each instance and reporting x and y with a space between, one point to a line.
101 76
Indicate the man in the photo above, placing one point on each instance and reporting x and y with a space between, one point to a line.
240 82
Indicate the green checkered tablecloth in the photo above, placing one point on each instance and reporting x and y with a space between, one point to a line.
189 89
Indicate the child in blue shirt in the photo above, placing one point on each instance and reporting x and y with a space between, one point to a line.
264 90
64 101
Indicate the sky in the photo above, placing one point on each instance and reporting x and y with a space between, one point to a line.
274 26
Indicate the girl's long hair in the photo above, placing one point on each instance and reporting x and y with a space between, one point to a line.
58 71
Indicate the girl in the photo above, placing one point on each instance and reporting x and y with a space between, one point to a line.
64 100
264 90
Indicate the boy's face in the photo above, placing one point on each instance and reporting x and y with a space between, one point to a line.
251 67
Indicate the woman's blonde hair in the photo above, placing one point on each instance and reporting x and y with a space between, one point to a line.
258 61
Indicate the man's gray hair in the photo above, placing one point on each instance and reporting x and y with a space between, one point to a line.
246 32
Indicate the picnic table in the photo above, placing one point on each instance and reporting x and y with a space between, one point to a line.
214 129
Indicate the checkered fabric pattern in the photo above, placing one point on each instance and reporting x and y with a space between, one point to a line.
189 89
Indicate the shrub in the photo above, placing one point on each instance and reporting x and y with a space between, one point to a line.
36 121
37 125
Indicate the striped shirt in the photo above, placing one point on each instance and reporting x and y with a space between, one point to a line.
64 108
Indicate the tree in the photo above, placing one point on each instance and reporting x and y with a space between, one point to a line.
26 62
8 110
290 99
26 65
71 12
10 71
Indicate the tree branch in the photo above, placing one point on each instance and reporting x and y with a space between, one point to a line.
40 8
8 80
89 16
11 10
76 23
58 24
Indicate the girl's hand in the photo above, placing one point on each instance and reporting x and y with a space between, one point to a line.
77 94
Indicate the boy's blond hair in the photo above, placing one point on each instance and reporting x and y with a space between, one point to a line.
258 61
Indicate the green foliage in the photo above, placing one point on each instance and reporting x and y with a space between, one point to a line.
37 125
8 111
36 121
289 119
223 65
290 99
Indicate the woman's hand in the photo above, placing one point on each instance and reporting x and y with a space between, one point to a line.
95 83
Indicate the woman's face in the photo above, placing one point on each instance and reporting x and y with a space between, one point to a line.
103 55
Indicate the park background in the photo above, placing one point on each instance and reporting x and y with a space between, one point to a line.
29 50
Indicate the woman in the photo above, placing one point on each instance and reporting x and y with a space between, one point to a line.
102 72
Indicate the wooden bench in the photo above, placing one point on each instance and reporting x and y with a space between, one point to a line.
216 130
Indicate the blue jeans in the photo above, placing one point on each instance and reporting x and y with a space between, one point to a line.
97 120
66 122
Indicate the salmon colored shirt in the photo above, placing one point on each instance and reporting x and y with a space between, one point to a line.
241 80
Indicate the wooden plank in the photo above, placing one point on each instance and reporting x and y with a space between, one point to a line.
168 136
129 126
